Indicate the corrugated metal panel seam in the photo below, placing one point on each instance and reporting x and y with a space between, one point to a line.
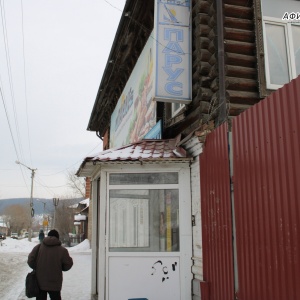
216 214
266 170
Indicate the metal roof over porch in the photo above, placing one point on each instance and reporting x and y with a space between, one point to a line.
155 151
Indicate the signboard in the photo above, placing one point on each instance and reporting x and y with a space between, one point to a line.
173 51
135 113
155 132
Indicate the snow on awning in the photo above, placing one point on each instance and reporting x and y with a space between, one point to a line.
143 151
85 201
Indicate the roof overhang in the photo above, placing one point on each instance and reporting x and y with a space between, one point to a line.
135 26
143 152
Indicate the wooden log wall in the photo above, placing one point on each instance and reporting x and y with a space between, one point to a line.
241 75
203 49
134 29
241 78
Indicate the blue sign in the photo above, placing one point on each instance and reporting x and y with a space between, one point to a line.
155 132
173 51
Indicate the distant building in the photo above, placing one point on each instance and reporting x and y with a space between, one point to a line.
3 226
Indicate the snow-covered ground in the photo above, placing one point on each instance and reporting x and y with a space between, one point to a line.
14 268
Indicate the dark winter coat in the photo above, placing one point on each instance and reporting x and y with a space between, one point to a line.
41 236
51 261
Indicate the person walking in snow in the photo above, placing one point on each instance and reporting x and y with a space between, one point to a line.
49 259
41 236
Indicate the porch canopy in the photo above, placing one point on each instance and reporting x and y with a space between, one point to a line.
145 151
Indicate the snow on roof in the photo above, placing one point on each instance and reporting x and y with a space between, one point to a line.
74 205
145 149
85 201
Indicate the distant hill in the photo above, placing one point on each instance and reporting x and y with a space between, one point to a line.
38 204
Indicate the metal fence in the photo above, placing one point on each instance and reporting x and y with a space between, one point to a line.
262 215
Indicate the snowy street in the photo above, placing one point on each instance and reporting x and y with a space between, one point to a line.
14 268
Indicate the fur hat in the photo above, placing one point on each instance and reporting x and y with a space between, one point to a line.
53 232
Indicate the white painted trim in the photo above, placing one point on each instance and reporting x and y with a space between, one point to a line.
289 49
142 187
185 252
94 237
144 254
140 168
185 233
102 238
175 112
197 268
291 42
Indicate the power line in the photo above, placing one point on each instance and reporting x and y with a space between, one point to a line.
44 187
10 130
6 47
2 93
25 82
113 6
147 30
50 187
6 113
66 169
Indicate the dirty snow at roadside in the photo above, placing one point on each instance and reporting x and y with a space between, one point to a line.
14 268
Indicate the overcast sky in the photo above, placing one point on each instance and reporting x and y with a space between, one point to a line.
45 107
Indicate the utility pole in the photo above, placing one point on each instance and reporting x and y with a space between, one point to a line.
31 198
45 222
55 203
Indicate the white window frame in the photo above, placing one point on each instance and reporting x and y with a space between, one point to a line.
289 47
185 228
176 111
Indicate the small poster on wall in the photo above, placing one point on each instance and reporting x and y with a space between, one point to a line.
129 222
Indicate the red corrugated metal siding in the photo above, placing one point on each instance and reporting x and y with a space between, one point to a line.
266 147
216 216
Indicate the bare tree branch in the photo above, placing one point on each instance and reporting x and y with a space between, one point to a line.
17 217
77 184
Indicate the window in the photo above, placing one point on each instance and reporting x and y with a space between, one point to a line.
143 178
176 107
144 219
296 46
282 49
